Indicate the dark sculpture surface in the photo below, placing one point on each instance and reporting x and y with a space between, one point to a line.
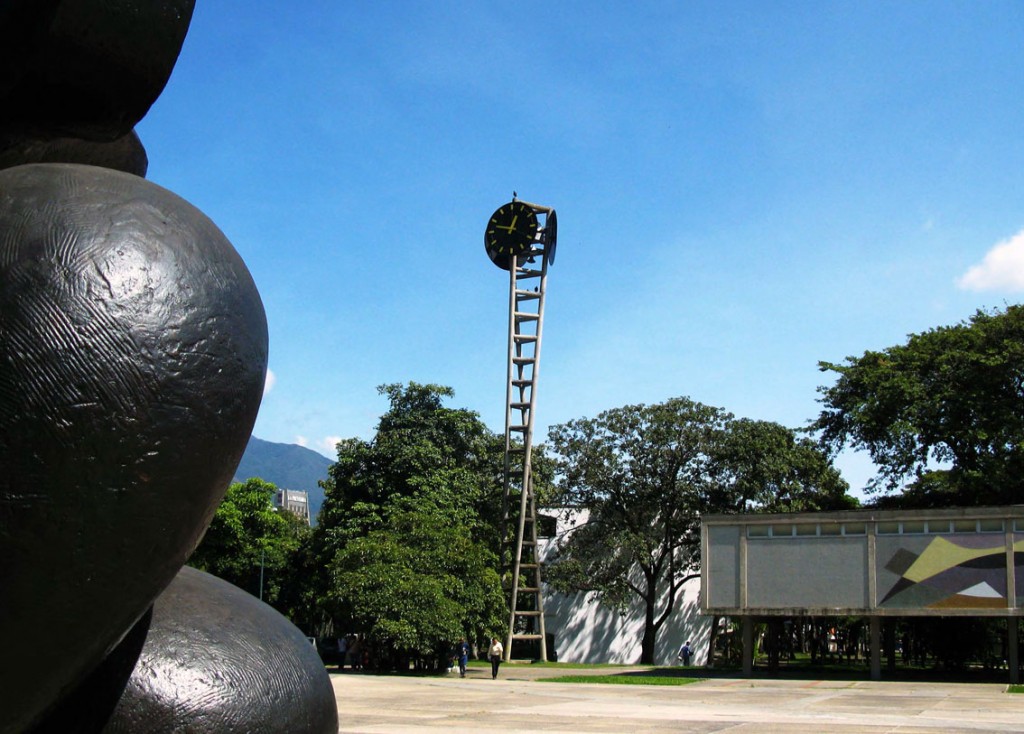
240 665
133 351
132 362
86 68
121 154
89 705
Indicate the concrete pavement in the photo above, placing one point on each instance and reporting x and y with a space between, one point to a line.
518 702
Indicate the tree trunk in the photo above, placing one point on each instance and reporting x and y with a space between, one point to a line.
650 632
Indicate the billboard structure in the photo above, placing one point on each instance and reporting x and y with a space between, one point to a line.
871 563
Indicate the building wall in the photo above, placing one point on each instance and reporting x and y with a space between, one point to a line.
586 631
966 561
295 501
788 572
723 565
589 632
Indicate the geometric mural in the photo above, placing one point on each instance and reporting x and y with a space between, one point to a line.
963 572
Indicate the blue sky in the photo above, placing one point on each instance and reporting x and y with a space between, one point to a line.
743 189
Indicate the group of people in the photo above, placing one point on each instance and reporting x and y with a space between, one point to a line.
352 652
495 653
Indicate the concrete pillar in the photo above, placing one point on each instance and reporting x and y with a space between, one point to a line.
1011 649
889 631
875 643
747 626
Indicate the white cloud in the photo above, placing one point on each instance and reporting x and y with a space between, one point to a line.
268 384
1001 269
327 444
301 440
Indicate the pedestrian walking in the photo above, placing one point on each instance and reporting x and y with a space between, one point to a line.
495 653
462 653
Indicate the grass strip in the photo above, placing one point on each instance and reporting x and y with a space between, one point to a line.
1015 689
626 680
587 666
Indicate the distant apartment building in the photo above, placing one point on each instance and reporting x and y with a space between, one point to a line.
295 501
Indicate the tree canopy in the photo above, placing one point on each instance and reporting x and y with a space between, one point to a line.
248 539
942 416
761 466
415 585
644 474
408 528
423 454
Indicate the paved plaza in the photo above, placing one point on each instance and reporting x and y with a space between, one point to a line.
518 702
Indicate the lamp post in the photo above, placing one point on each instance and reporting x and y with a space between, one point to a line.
263 554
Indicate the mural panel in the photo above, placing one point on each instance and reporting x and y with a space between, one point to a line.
944 572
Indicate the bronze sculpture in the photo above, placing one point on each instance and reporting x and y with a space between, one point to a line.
133 350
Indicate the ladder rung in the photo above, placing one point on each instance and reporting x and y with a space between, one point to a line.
522 383
529 565
531 613
528 589
524 360
525 637
525 338
526 295
524 273
526 316
520 406
518 428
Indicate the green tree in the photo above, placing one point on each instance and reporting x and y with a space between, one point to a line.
644 474
445 457
942 416
761 466
248 538
408 528
415 585
299 594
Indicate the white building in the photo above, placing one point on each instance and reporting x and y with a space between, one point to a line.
295 501
586 631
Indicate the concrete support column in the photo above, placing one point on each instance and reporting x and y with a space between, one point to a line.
889 643
747 626
1011 649
875 643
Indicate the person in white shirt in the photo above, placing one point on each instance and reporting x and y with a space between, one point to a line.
495 654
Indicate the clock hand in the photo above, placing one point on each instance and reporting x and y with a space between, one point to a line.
510 228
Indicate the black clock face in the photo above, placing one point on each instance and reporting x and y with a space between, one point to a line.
511 231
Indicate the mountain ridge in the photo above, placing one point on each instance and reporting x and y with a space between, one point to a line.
287 466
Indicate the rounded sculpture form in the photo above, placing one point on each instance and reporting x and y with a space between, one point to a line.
86 68
133 352
219 660
126 153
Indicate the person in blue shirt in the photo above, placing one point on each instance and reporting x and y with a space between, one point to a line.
462 653
685 652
